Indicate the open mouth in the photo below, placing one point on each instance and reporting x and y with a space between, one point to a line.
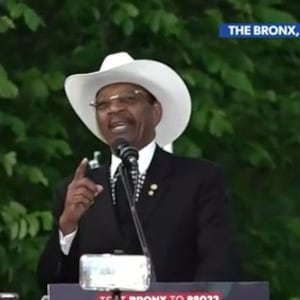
118 127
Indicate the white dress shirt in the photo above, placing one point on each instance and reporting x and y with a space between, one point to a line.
144 160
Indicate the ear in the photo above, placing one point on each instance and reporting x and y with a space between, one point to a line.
157 113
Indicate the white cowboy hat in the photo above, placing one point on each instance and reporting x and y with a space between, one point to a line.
157 78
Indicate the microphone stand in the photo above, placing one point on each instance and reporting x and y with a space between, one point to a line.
116 295
132 198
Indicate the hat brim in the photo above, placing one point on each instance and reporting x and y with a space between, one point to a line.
159 79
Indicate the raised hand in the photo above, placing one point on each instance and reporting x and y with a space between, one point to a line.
80 196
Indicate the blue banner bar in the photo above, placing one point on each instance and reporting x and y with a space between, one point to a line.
259 30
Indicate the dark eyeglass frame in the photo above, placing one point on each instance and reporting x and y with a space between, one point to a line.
104 104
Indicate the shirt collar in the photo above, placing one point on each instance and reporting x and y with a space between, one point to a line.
144 160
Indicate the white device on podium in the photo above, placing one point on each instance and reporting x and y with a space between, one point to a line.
110 272
9 296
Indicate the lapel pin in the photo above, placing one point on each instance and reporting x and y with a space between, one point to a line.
153 188
94 163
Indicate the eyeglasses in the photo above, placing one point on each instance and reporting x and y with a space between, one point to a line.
125 98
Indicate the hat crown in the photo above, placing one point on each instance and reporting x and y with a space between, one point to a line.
115 60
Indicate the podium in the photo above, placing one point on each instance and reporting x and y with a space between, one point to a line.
170 291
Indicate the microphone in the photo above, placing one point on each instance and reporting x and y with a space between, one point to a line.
129 156
127 153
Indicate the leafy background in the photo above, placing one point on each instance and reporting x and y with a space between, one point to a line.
246 110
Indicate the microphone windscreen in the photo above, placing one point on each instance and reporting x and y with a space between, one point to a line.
119 144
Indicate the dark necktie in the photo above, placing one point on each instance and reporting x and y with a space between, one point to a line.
131 243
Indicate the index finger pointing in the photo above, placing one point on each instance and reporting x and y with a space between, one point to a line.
81 169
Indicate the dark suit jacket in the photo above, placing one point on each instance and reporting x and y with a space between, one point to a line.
187 223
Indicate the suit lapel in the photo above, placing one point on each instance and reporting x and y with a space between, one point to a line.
155 185
100 219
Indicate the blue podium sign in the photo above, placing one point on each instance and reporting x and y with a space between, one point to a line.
170 291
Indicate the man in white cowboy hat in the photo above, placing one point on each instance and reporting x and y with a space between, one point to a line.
182 204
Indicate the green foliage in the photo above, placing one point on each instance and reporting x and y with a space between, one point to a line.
246 111
7 88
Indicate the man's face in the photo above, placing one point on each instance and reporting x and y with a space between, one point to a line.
128 111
